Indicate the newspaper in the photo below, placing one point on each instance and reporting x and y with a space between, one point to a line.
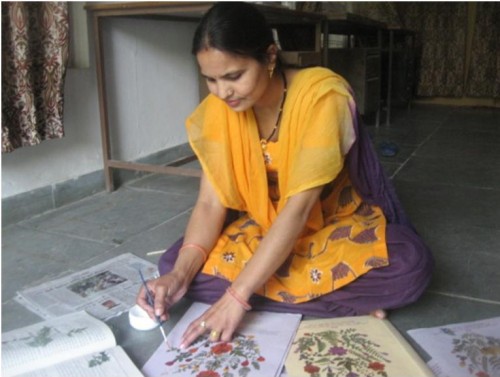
104 291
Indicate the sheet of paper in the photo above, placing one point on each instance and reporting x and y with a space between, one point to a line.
104 290
258 348
470 349
352 346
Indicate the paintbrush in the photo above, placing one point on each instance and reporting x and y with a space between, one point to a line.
151 302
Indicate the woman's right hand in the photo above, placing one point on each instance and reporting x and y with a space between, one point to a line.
166 290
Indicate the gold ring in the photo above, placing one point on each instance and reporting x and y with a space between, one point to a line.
203 324
214 334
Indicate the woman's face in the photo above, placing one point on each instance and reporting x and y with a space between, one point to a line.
240 81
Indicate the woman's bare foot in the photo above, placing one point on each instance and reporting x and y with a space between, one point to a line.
379 313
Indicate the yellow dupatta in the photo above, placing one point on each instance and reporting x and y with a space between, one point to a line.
316 132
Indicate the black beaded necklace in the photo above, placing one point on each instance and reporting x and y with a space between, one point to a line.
263 142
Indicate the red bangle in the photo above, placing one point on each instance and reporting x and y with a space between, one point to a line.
242 302
201 249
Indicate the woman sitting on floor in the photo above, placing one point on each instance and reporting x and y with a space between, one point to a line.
295 213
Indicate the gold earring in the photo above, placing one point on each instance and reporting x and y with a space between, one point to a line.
271 72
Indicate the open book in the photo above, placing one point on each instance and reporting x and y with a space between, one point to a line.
352 346
76 345
258 348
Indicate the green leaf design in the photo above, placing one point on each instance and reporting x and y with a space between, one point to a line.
42 338
99 359
338 352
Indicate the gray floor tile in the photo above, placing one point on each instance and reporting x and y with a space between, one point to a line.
432 204
155 239
113 217
459 150
471 172
408 133
174 184
466 260
15 315
30 256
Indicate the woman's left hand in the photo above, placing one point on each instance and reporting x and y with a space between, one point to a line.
221 320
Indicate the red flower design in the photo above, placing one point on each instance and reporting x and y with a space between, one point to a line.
261 359
193 350
208 373
482 374
221 348
311 369
376 366
245 363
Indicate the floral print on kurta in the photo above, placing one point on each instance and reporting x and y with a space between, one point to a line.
343 237
351 243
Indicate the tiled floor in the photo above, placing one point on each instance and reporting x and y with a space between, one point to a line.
447 173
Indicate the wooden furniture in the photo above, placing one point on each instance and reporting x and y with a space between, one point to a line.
178 11
358 63
361 68
398 55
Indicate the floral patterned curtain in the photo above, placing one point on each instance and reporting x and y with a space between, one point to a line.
35 41
442 28
484 72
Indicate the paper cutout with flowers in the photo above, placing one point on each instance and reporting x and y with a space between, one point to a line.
345 352
468 349
362 346
478 354
258 348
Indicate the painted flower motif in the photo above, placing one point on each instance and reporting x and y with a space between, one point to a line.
482 374
376 366
221 348
339 351
228 257
311 369
207 359
316 275
333 353
208 373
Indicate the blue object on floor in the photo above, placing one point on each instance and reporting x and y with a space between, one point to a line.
388 149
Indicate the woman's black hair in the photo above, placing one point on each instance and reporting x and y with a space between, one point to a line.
234 27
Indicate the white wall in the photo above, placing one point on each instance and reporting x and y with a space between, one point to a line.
152 84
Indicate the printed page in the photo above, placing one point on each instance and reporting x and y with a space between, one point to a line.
470 349
52 341
352 346
104 290
111 362
258 348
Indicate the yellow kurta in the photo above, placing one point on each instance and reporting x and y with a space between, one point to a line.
344 237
